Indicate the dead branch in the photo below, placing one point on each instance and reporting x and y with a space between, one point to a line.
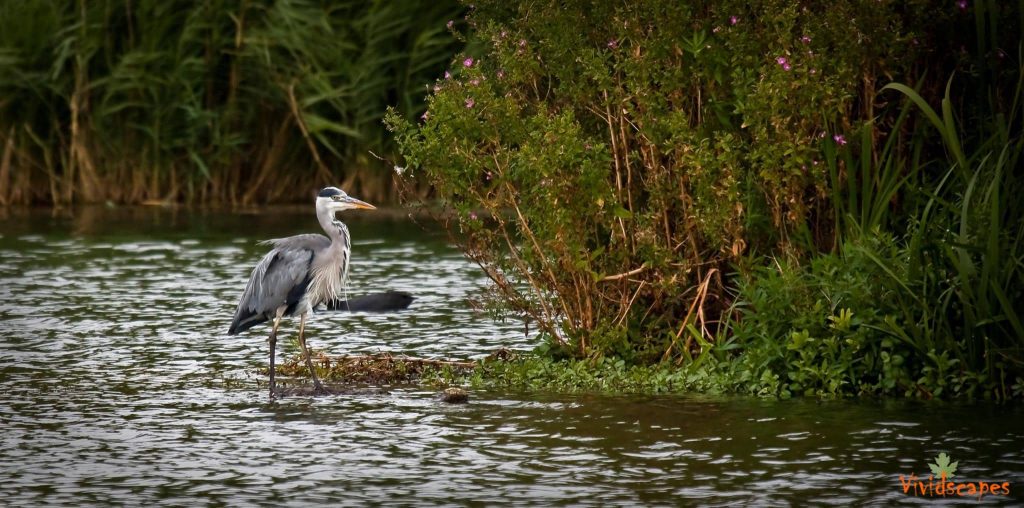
625 274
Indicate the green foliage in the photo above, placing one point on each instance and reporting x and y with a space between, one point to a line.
607 171
938 311
606 375
840 317
620 165
228 100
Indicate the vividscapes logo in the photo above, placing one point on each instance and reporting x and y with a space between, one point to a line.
940 483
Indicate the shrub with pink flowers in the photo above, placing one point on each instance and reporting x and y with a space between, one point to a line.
630 158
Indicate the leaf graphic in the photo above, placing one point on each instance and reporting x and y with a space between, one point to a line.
943 465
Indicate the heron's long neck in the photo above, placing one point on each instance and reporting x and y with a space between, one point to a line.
335 230
335 260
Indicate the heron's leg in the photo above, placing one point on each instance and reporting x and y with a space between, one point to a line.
273 351
317 387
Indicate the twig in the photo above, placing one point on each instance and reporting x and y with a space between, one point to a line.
625 311
698 300
625 274
387 357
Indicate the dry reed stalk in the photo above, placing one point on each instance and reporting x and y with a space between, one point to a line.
697 305
322 170
5 167
270 161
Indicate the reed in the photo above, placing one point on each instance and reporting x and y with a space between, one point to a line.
235 101
965 278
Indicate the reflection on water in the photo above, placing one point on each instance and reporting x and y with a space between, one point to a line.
120 386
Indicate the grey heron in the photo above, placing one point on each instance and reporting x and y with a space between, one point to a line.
299 273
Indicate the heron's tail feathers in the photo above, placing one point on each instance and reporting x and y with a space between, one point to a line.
389 301
245 320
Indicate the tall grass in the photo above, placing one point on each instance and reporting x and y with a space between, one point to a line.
965 281
234 101
923 293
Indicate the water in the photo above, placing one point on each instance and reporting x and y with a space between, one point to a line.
119 386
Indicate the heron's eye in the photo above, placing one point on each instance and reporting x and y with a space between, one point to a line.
336 198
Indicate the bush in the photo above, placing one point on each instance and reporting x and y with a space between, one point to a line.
738 188
606 169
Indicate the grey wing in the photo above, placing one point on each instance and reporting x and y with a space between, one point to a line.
279 279
313 242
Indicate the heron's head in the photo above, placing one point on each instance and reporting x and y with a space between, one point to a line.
333 200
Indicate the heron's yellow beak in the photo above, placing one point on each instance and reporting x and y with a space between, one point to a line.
355 203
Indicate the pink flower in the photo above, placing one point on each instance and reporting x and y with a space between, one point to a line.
472 215
813 71
425 115
614 43
447 75
716 29
470 102
786 67
962 4
805 39
504 33
839 139
781 60
468 62
474 81
522 43
450 24
501 74
733 20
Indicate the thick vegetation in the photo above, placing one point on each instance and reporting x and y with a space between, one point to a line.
778 197
219 101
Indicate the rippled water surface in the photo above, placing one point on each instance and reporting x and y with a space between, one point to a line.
118 384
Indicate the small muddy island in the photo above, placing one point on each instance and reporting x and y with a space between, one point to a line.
353 373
